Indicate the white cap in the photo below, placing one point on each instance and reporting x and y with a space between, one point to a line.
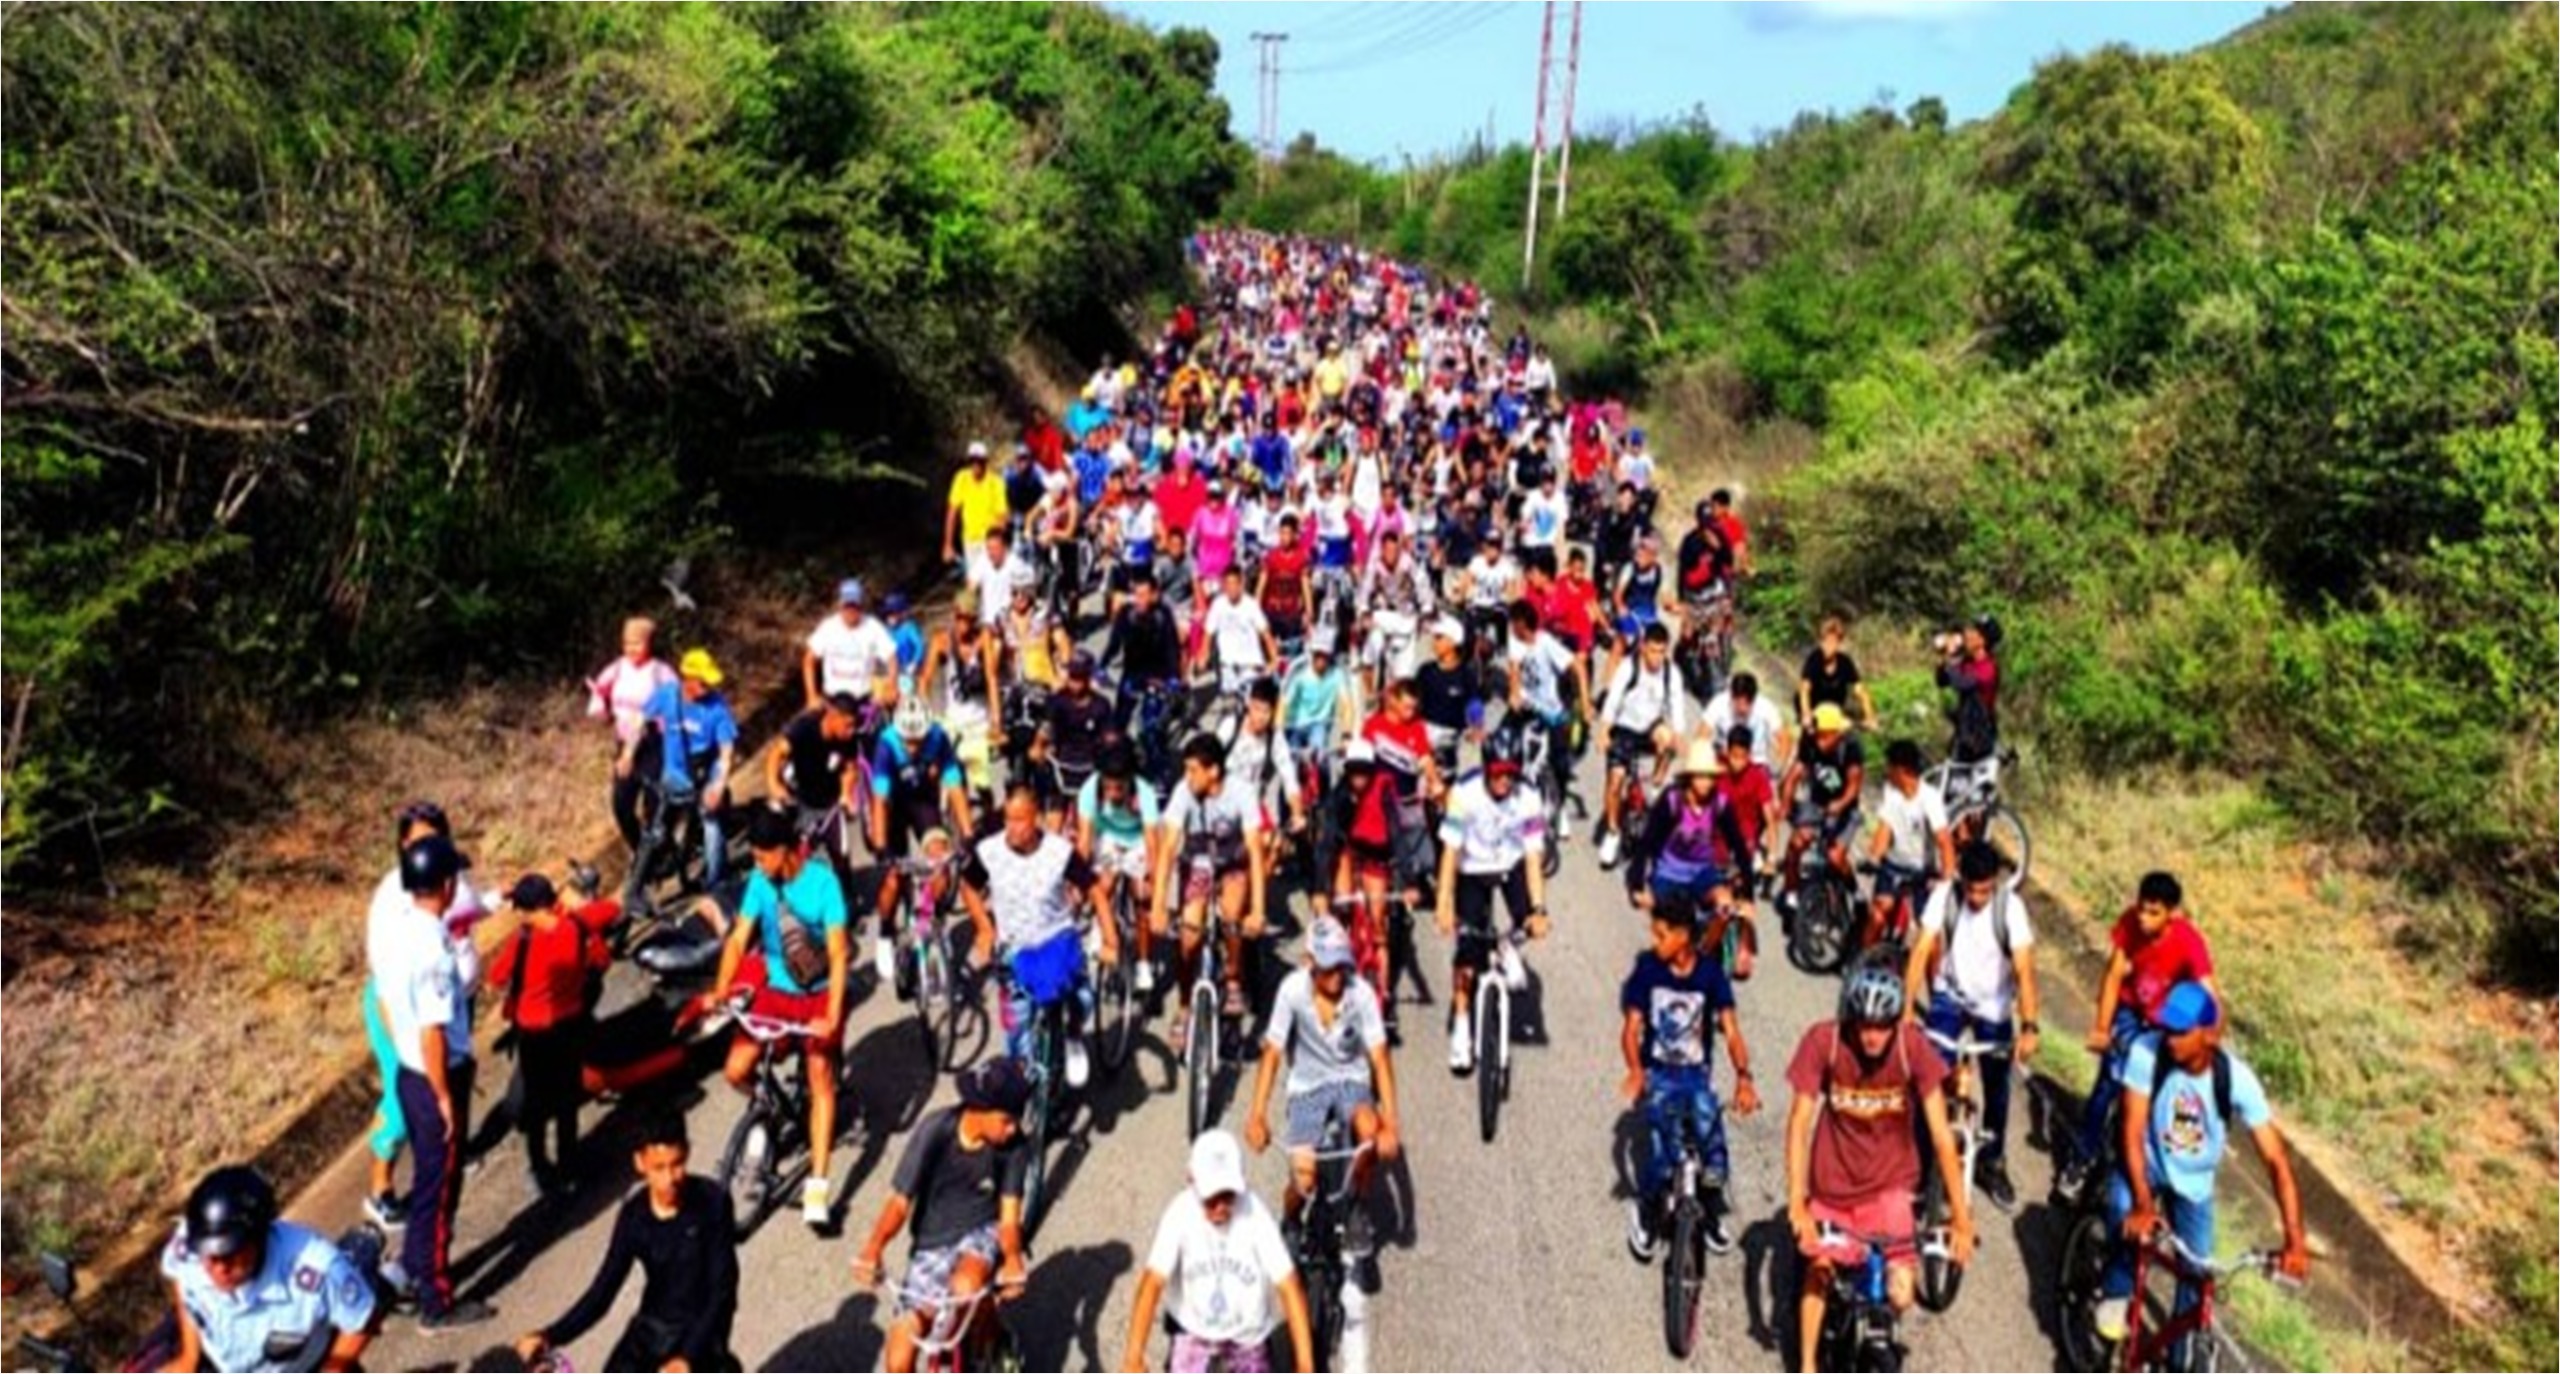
977 449
1449 627
1217 1165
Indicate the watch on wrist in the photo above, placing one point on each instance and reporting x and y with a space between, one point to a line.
2029 1027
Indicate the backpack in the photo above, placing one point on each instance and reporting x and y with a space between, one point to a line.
2162 1066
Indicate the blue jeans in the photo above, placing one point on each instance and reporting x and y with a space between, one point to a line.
1678 1101
2192 1221
2106 1092
1948 1019
685 794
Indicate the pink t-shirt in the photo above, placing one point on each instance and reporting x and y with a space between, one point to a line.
1213 539
622 688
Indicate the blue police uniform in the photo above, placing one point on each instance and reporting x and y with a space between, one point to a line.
303 1283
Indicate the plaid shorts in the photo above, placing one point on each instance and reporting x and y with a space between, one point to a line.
1197 1355
928 1281
1308 1110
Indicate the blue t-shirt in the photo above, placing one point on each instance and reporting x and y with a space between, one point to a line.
917 775
2187 1138
909 637
1093 469
1312 700
1679 1010
1083 417
815 899
1271 454
692 729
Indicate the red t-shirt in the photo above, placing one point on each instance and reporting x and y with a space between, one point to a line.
556 963
1565 609
2176 955
1179 497
1746 796
1284 581
1734 536
1865 1143
1401 749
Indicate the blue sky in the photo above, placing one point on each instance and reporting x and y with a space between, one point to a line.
1377 81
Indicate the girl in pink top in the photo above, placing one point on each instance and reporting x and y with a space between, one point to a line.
621 689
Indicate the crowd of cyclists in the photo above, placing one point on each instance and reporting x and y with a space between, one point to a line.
1283 635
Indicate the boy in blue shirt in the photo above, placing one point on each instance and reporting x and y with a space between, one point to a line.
2177 1125
1675 1003
699 746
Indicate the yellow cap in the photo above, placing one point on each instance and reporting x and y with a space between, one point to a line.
1828 718
699 665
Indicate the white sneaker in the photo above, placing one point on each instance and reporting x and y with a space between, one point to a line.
1609 850
884 959
1640 1239
2111 1316
1515 974
1144 979
1079 1062
813 1201
1462 1045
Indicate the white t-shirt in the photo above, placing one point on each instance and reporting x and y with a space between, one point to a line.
1969 964
1235 630
1640 699
1493 834
1489 580
1219 1281
1544 663
1916 821
995 583
1636 469
1765 723
423 975
850 657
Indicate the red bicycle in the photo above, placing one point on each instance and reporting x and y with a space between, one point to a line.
2186 1336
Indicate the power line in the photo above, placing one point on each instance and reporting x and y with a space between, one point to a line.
1428 31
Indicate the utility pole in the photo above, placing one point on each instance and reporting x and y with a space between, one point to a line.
1267 91
1572 75
1538 144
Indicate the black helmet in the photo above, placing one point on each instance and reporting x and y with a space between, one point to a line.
230 1211
1501 751
429 864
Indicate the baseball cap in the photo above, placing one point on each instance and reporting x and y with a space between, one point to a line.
1080 663
699 665
1448 627
977 450
532 892
1328 944
2188 1006
1217 1165
1829 717
999 1085
895 603
849 592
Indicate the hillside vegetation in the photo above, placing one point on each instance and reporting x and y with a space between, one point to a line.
348 345
2227 380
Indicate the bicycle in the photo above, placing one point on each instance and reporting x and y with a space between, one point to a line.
1376 944
670 855
1156 730
1684 1256
1704 652
1899 917
1537 742
1209 1043
959 1338
1321 1244
774 1125
1044 1055
1490 1013
1940 1276
2188 1339
1818 939
930 958
1115 998
1975 810
1858 1323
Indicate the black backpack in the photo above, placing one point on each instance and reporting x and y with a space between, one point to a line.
2162 1066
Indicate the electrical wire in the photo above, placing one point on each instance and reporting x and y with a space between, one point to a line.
1445 23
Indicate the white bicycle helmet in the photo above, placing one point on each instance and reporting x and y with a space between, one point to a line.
912 719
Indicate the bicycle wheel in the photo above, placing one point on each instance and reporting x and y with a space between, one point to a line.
747 1168
2084 1266
1114 1012
935 1010
1039 1117
2004 830
1324 1309
1200 1057
1493 1028
1940 1276
1820 939
1683 1279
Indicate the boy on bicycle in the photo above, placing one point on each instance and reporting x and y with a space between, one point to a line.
2155 948
1974 958
1326 1026
1218 840
1911 841
961 1181
679 1230
1674 1004
1219 1254
1489 838
1021 886
1119 837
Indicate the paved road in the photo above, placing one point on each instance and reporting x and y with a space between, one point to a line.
1510 1256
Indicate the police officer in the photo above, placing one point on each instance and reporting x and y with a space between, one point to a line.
253 1292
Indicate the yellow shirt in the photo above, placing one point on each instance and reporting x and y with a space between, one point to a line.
981 503
1332 376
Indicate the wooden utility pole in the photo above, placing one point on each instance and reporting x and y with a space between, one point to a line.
1572 73
1538 144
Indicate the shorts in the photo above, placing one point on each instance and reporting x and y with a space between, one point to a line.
1887 1213
1627 746
928 1283
771 1001
1198 1355
1200 882
1809 815
1309 1110
907 824
1128 858
1474 901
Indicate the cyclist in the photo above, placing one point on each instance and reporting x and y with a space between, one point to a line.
1145 634
1219 842
977 505
698 747
1316 704
1622 531
1974 958
1737 540
1118 835
2154 948
917 785
994 571
1865 1087
1487 836
1236 634
679 1230
1970 671
243 1280
1541 668
1830 674
847 652
2182 1090
1751 799
1705 563
1035 644
1327 1029
1826 779
1543 512
1911 840
1135 525
1635 463
1072 730
1635 596
1220 1253
621 689
897 614
1449 694
1672 863
964 662
1282 588
960 1181
1740 704
793 911
1261 769
1646 710
818 770
1672 1006
1487 585
1021 886
1397 587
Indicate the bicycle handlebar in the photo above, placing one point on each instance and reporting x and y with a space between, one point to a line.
1964 1043
2166 1243
762 1029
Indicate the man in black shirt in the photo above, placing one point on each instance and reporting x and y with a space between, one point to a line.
816 768
680 1231
961 1180
1613 546
1076 721
1824 784
1451 703
1705 558
1147 641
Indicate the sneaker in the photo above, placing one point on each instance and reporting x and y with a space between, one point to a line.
1515 974
1143 978
2069 1181
1609 850
814 1208
1462 1046
1719 1240
386 1210
456 1317
2110 1318
1640 1238
884 958
1079 1062
1994 1178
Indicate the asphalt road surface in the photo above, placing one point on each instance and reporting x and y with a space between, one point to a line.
1504 1256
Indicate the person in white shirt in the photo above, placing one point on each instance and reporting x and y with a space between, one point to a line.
1236 634
995 571
1911 840
1973 967
1645 709
424 980
1740 703
1542 515
848 652
1218 1251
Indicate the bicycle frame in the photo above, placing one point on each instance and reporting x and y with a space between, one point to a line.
2154 1347
961 1326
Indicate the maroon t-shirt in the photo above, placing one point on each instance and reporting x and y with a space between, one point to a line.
1746 795
1865 1142
2175 955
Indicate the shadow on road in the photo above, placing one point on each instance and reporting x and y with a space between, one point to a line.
2040 1229
1769 1279
849 1340
1060 1312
